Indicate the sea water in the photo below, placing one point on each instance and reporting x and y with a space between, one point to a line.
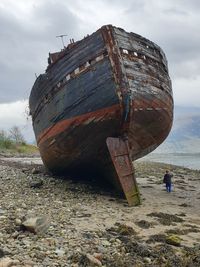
187 160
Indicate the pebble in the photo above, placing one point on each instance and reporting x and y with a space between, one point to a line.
2 212
23 205
105 243
101 249
147 260
93 261
98 256
60 252
36 184
18 222
15 234
35 171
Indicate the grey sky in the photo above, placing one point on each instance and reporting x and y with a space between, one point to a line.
29 28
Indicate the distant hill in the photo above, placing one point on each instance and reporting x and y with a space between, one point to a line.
185 134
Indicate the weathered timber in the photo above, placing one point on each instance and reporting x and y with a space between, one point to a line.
110 85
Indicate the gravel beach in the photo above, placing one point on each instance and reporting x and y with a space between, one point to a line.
49 221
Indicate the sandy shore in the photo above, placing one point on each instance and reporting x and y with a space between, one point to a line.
90 226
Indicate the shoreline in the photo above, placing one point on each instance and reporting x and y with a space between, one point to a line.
184 160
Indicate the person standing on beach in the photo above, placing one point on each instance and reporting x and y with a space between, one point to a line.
168 181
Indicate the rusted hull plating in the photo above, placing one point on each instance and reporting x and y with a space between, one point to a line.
112 86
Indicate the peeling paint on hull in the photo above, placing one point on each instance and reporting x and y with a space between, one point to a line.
110 84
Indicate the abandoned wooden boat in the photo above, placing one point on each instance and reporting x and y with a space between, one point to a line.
103 101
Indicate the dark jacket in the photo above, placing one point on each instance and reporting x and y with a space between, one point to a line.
167 178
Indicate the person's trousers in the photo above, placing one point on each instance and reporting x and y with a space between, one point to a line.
169 187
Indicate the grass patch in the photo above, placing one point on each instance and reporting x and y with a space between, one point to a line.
12 148
6 144
26 149
13 142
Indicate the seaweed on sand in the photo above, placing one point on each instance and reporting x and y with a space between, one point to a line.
165 218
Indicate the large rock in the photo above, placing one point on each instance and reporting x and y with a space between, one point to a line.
36 224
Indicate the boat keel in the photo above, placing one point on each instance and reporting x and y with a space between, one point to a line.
119 152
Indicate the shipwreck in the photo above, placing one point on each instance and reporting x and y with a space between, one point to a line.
103 102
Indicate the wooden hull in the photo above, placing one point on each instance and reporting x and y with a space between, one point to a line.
110 84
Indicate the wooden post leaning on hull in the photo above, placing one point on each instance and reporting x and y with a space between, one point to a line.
119 152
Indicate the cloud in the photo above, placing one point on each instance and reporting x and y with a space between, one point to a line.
16 113
26 41
187 91
172 25
29 28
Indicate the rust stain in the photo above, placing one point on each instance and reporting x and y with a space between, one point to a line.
121 158
121 80
64 124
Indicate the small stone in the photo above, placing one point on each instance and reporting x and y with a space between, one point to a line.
2 212
147 260
112 240
93 261
23 205
18 222
15 234
163 259
105 243
60 252
101 249
18 210
35 171
116 256
98 256
36 184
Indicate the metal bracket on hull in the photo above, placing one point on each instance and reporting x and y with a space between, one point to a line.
119 152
